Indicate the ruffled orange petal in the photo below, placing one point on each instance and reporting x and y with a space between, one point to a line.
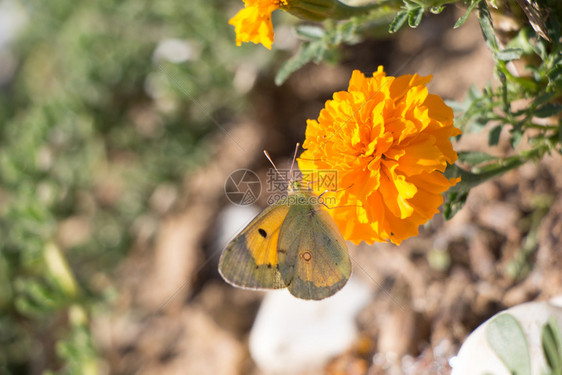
388 140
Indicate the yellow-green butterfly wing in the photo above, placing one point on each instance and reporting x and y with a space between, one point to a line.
250 259
294 243
313 257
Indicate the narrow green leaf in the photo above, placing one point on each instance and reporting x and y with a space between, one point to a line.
474 93
454 202
545 98
463 19
494 136
398 21
346 30
507 340
475 158
487 27
548 110
509 54
309 51
523 41
310 32
415 16
515 138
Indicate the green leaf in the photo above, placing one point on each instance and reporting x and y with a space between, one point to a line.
437 9
506 338
310 32
494 136
463 19
454 202
487 27
415 16
548 110
308 52
545 98
508 54
515 138
398 21
523 41
346 31
474 92
475 158
552 346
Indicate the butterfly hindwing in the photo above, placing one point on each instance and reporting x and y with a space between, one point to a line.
250 259
313 258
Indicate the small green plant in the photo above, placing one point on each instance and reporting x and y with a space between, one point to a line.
98 114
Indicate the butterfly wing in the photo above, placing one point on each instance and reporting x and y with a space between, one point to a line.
313 257
250 260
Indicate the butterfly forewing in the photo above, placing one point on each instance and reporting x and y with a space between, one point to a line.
250 259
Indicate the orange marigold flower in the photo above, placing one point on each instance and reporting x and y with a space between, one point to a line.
253 23
388 140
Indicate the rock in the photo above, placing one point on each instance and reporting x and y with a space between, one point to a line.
292 335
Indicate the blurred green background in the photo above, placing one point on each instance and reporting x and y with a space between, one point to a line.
101 102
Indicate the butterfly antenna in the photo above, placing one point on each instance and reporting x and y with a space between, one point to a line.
272 163
294 158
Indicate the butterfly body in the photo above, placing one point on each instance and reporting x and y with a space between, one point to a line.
293 244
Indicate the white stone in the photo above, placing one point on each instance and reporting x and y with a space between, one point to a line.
291 335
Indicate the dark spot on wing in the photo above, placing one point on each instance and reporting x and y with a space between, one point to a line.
282 251
262 233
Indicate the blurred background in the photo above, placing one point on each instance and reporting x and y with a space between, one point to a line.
120 122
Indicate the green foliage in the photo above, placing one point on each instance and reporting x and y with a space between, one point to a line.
539 94
470 8
94 120
320 44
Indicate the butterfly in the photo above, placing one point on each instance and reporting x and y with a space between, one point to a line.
293 244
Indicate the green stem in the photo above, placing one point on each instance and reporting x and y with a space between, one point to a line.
471 179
